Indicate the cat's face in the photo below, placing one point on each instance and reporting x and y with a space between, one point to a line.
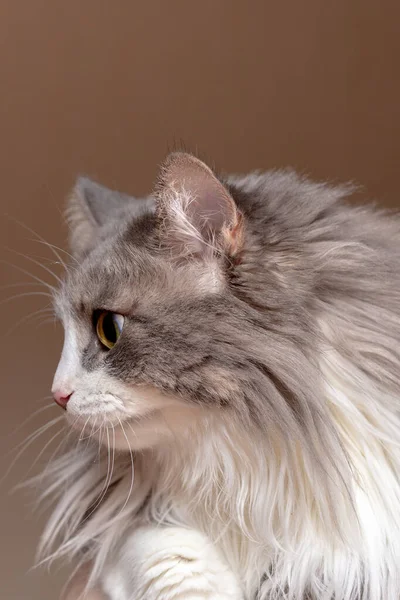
150 327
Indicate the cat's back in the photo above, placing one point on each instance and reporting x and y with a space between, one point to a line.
326 225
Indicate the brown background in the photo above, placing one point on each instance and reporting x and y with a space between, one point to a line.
104 88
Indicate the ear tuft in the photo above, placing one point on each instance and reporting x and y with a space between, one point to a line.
197 212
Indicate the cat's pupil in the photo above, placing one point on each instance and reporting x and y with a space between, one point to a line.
109 329
108 326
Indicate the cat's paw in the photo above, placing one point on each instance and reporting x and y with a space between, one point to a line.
170 564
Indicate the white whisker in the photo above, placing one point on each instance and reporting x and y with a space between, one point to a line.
26 318
35 277
32 416
51 320
43 450
132 467
56 249
38 431
27 443
83 429
64 441
98 429
38 263
110 467
41 240
88 437
20 284
23 295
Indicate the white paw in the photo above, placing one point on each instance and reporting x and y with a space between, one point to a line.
170 564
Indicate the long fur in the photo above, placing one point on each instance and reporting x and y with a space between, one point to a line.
311 511
257 506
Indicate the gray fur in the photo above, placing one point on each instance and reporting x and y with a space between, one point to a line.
94 208
305 253
307 256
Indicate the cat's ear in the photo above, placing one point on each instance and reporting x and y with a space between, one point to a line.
196 211
91 207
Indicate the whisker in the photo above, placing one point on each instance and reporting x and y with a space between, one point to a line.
72 427
35 277
52 320
26 318
64 441
36 262
83 429
98 429
41 240
91 431
19 284
113 453
27 443
30 417
39 505
132 468
101 431
131 428
57 249
47 444
107 480
49 397
24 295
89 437
38 432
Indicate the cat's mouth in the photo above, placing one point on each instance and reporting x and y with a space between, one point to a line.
109 421
146 418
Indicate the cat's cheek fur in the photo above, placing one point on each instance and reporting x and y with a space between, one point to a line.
171 563
136 417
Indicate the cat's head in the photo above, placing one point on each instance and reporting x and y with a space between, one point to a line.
153 333
173 309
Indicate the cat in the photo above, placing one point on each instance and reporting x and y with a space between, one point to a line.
232 354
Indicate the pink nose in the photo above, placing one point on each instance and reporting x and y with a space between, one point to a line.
61 398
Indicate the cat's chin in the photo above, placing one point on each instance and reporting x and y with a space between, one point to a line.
134 418
118 431
153 429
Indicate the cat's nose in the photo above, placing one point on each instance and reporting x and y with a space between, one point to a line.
61 397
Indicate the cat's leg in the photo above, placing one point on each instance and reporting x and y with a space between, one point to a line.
170 563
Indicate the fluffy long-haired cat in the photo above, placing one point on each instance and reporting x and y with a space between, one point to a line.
232 355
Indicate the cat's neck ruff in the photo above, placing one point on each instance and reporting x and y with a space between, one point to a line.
258 499
245 494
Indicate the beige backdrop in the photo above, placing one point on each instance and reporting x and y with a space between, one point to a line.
104 88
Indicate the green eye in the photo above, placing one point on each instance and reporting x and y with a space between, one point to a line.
109 327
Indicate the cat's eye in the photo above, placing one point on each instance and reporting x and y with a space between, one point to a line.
109 328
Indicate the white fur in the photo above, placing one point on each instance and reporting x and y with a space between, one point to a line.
68 366
252 503
99 402
170 563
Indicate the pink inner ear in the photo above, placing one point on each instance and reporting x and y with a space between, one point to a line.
212 207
